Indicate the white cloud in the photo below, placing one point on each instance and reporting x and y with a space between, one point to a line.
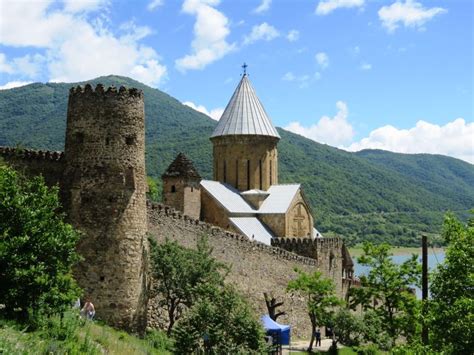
336 131
263 7
14 84
355 51
293 35
455 139
327 6
365 66
83 5
264 32
154 4
303 80
27 66
409 13
289 76
322 59
210 32
76 47
5 67
28 24
87 54
215 114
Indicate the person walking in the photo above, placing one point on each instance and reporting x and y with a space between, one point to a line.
317 334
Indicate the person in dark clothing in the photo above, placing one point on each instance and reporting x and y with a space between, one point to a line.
317 334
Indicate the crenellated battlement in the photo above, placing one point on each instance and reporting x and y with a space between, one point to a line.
158 210
111 91
30 154
299 243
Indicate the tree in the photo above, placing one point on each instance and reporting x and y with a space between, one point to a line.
221 322
182 275
37 249
272 306
387 290
452 289
154 189
347 327
320 298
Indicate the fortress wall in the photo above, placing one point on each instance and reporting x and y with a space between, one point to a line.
255 267
327 252
35 162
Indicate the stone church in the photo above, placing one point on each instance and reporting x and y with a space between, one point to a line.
244 195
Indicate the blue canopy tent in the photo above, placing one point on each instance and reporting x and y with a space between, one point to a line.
272 328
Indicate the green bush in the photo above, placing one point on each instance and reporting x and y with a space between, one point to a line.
158 340
371 349
220 323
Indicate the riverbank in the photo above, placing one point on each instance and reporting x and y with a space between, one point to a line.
357 251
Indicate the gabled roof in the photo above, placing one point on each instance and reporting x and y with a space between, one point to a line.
228 197
280 198
253 229
181 167
244 114
278 201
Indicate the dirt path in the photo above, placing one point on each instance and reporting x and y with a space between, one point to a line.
302 345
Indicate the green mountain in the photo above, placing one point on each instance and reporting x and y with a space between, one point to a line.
369 195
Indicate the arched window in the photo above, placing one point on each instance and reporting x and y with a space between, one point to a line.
260 171
271 180
173 188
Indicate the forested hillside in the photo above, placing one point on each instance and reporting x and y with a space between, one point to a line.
369 195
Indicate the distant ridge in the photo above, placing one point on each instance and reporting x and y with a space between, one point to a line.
369 195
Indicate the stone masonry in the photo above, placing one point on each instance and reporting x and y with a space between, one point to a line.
181 188
104 194
246 162
255 267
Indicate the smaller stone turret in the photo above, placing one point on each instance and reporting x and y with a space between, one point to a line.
181 189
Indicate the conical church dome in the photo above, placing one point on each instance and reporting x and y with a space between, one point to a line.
244 114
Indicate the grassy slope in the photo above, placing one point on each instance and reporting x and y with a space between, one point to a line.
368 195
92 338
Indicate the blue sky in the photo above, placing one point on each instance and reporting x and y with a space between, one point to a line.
388 74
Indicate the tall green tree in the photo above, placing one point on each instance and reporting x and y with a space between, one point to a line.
37 249
183 275
452 289
386 289
320 298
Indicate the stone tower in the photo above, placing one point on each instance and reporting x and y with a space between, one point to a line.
181 189
104 195
245 143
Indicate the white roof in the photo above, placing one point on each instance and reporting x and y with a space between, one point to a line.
227 196
280 198
253 229
244 114
278 201
316 233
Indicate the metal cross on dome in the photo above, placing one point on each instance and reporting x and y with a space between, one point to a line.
244 66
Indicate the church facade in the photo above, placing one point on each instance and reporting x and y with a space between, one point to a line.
244 195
